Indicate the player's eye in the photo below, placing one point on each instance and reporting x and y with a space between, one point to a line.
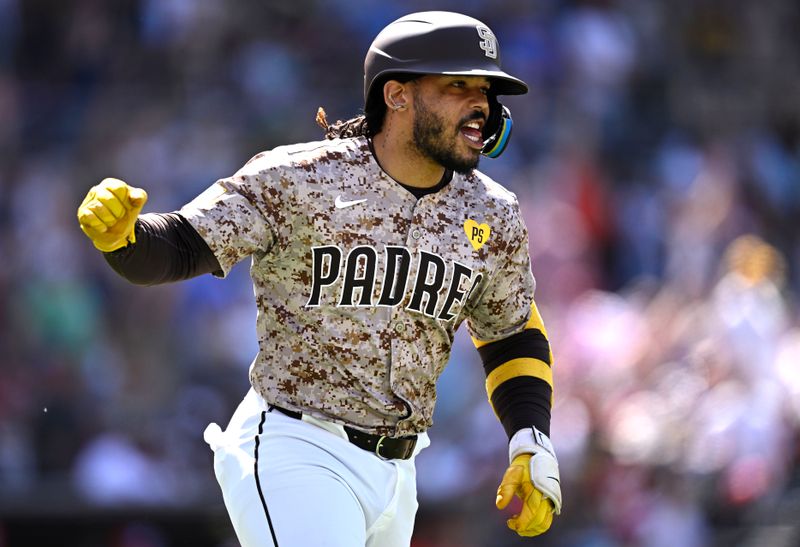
458 83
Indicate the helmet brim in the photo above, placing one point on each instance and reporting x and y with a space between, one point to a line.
502 83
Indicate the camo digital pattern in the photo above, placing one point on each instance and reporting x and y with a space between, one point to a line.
359 286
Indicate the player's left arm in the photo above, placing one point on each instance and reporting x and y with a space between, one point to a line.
510 336
519 385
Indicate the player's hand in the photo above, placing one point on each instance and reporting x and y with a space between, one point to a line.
108 214
533 478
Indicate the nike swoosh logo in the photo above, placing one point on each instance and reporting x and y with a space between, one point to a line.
341 204
555 479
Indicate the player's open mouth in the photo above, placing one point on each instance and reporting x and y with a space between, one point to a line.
471 131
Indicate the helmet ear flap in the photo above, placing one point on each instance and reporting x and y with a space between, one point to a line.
497 131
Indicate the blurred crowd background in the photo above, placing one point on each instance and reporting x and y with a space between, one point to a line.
657 162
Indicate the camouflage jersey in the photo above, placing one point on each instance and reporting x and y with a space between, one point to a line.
359 285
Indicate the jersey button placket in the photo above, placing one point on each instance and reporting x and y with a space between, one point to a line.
402 328
415 234
417 223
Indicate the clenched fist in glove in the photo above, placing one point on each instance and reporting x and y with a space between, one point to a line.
533 477
108 214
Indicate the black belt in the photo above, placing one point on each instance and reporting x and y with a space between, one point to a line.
386 448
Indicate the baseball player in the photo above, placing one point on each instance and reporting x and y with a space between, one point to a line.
368 250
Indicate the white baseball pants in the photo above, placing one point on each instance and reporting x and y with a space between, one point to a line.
298 483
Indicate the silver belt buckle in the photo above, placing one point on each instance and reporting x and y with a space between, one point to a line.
378 448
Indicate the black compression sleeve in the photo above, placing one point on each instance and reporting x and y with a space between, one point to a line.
167 249
520 401
523 402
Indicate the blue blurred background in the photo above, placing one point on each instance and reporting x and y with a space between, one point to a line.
656 160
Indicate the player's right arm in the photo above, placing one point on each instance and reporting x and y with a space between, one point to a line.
145 249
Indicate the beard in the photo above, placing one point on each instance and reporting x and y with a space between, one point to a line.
431 142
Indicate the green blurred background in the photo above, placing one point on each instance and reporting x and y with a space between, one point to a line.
657 162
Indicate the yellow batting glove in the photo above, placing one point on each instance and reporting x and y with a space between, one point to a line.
533 477
108 214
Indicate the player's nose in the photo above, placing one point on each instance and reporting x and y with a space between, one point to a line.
480 102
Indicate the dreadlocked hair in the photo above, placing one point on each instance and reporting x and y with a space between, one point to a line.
354 127
364 125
